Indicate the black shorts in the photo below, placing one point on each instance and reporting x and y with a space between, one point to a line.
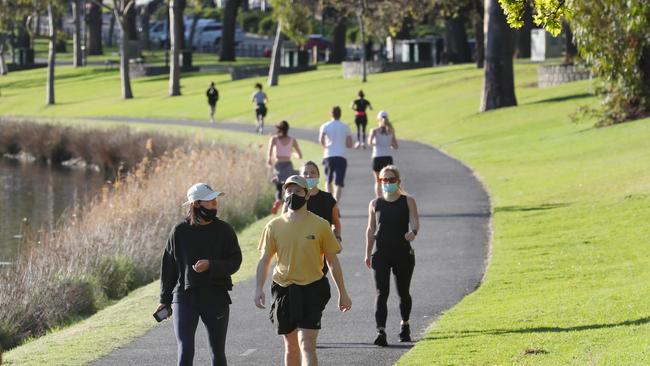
361 120
380 162
335 167
260 111
299 306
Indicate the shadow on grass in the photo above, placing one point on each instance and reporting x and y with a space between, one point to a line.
361 345
563 98
578 328
542 207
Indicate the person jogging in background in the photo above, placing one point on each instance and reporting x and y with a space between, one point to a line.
393 223
260 100
382 139
202 253
213 97
335 138
361 118
280 150
321 203
298 240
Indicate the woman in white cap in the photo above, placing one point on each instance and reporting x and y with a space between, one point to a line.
382 139
202 253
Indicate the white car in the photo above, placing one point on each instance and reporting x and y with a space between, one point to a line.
208 35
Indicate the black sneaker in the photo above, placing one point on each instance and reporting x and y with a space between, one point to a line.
405 333
381 339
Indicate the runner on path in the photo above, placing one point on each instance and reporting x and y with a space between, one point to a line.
361 118
382 139
260 99
335 138
298 240
202 253
281 148
321 203
389 218
213 98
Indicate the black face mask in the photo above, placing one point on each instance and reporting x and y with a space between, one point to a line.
294 201
205 213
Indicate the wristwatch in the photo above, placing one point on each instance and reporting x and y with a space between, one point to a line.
339 238
415 232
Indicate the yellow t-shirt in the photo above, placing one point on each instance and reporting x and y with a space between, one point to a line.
298 247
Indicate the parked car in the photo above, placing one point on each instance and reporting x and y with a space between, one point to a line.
158 33
208 36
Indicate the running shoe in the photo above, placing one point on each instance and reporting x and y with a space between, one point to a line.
405 333
357 145
381 339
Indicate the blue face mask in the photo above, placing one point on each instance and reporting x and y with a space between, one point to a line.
312 182
389 187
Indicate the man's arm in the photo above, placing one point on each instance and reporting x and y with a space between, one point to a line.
345 303
262 271
349 142
336 221
321 138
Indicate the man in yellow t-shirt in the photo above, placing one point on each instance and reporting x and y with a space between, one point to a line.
298 240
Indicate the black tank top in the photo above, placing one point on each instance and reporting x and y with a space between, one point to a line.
392 219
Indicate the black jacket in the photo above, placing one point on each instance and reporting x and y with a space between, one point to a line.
216 242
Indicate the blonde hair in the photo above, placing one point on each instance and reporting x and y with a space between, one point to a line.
393 168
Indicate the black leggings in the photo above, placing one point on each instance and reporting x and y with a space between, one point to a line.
186 318
361 122
402 265
279 191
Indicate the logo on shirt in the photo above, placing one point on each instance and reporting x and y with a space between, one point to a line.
310 237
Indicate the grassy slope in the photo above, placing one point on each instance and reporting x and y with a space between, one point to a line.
570 266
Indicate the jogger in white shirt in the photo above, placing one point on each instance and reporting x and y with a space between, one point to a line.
335 137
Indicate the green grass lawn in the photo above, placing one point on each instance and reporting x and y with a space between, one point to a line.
568 276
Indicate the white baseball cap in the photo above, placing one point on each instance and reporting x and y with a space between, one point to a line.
382 114
201 192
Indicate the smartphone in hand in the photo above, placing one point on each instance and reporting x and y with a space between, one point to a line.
162 314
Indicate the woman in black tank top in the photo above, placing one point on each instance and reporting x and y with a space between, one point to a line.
393 224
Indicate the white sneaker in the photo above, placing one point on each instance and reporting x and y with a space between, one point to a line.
357 145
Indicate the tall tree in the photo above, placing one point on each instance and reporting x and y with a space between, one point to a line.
456 44
604 30
176 34
227 51
477 16
498 83
94 27
338 49
523 33
77 60
122 10
51 54
274 68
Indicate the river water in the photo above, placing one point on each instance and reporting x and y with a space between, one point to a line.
40 196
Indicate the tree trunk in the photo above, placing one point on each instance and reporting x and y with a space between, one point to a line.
175 16
3 63
364 55
51 57
111 30
480 35
274 69
498 84
130 24
227 52
190 39
644 66
94 26
124 60
571 51
456 45
145 18
61 45
523 33
338 42
77 60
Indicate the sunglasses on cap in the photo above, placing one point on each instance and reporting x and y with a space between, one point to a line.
388 180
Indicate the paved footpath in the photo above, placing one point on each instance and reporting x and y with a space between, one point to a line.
451 251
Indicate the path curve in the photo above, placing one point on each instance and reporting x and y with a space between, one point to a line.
451 255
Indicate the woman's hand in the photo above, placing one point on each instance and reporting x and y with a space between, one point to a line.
345 303
410 236
368 262
201 265
260 300
160 307
269 162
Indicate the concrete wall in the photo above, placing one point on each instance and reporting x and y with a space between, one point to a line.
559 74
